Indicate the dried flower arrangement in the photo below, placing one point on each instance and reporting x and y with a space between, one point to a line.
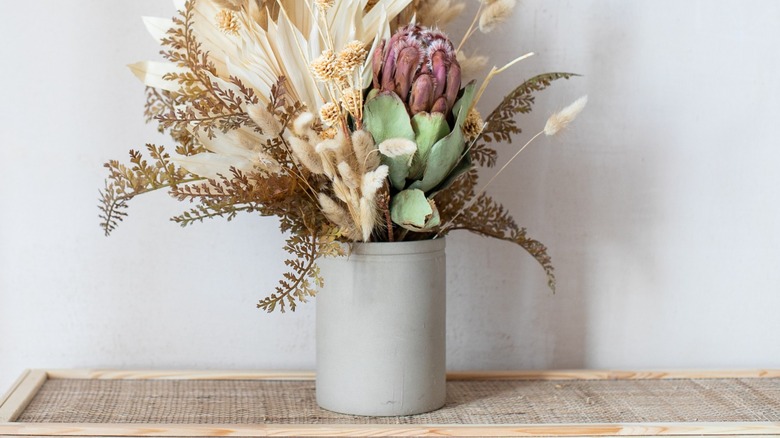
346 119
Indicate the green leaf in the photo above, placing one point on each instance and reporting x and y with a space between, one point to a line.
410 209
462 167
385 116
398 169
428 128
444 155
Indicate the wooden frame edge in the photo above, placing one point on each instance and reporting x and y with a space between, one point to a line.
612 374
21 393
112 374
626 429
455 375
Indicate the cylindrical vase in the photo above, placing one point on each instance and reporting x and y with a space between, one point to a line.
381 329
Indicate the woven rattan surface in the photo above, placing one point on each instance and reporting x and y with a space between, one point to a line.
468 402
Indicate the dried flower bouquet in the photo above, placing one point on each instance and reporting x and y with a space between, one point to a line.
347 119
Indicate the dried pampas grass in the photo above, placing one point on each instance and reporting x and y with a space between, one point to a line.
264 120
339 216
303 123
356 177
348 175
495 13
363 145
396 147
560 120
471 66
368 214
304 152
437 13
373 181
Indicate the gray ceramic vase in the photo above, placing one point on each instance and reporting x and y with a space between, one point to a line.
381 329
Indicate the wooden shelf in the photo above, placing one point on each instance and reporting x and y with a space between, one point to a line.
501 403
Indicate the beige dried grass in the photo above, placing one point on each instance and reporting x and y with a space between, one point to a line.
560 120
396 147
495 13
471 66
439 12
348 175
306 155
264 120
368 215
363 145
373 181
303 123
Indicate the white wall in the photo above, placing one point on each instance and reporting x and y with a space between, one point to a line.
660 207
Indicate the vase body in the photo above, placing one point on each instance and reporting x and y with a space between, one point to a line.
381 329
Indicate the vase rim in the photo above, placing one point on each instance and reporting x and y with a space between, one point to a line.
397 248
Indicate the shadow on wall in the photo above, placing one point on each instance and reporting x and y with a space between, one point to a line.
588 196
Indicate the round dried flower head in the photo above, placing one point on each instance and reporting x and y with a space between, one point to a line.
227 21
352 100
330 113
325 67
329 134
342 82
352 56
472 127
324 5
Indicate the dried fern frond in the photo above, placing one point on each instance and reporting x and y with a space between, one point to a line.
455 197
489 218
204 101
311 236
501 124
127 181
285 112
303 280
226 196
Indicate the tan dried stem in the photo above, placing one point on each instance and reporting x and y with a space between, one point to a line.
470 31
495 71
482 190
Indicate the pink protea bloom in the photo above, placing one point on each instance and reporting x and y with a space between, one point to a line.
420 66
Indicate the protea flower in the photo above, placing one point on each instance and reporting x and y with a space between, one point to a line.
415 113
420 66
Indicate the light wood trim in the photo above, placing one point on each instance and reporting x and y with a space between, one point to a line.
108 374
629 429
21 393
611 374
457 375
